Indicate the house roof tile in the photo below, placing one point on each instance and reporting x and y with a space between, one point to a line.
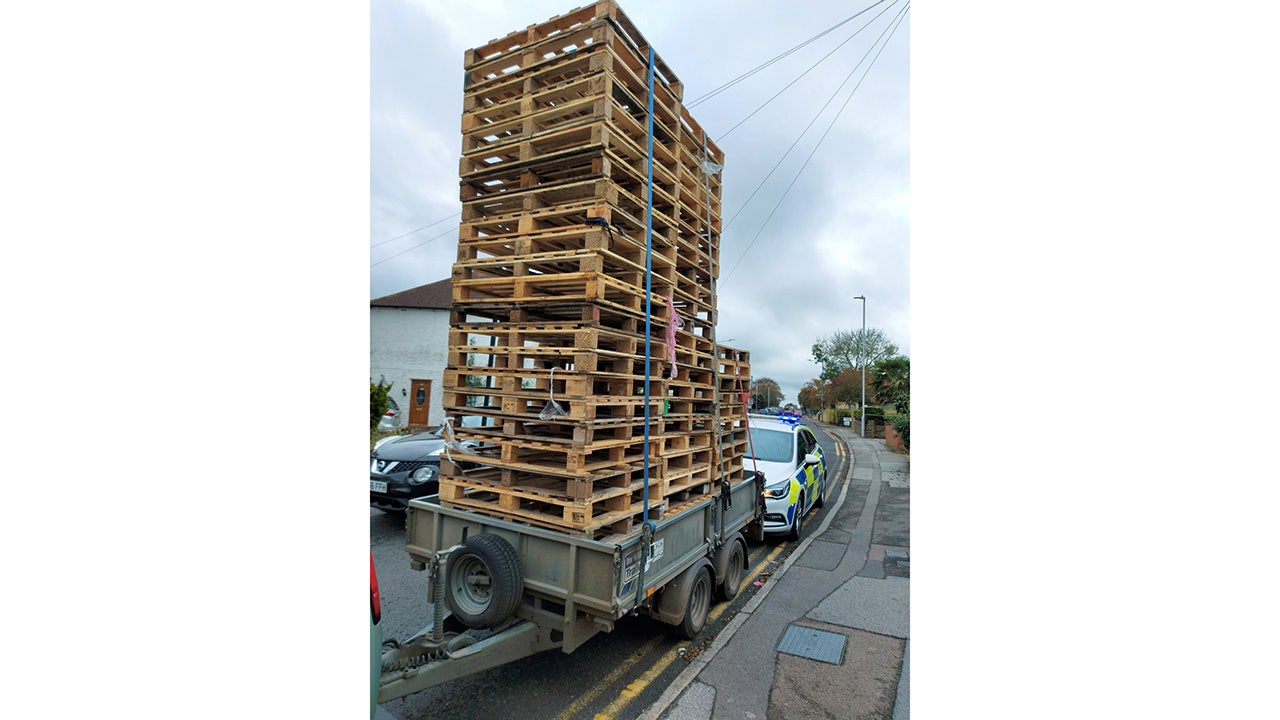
436 295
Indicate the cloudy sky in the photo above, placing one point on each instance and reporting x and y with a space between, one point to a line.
837 134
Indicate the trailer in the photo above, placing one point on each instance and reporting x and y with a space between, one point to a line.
501 590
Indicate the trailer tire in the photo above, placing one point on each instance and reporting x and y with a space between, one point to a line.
483 581
733 568
698 606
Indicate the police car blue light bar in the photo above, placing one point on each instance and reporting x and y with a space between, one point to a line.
787 417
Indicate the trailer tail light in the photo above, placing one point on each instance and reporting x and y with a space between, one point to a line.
375 600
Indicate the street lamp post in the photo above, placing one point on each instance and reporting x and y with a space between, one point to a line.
862 361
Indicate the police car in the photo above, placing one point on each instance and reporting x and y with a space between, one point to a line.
787 453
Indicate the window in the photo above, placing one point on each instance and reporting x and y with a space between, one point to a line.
771 445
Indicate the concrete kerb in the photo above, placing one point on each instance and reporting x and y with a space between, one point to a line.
686 678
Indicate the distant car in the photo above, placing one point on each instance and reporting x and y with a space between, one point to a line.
795 470
404 467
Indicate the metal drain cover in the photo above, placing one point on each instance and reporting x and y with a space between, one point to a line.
806 642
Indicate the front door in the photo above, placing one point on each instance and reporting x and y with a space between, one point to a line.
419 401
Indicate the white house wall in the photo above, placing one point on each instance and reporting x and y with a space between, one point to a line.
409 343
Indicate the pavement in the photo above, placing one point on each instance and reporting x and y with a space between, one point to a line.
828 634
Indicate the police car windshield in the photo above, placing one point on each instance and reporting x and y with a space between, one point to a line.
771 445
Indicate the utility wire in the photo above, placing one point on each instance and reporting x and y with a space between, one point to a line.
415 247
424 227
749 73
807 127
806 72
897 22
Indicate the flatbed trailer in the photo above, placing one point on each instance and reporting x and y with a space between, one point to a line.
501 590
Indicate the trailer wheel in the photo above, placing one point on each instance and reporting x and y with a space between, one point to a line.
696 610
483 581
728 587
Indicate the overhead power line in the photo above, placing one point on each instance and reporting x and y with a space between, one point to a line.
885 36
804 132
415 230
806 72
749 73
450 231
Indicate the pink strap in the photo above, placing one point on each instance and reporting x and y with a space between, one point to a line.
674 322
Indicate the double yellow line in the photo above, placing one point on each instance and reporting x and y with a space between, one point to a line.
637 686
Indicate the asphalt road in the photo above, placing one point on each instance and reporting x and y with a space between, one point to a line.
615 675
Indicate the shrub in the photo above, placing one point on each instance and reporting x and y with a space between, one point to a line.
873 413
378 401
902 426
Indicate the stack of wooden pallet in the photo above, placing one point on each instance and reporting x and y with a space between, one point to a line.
547 342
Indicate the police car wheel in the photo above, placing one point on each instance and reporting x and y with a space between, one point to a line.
794 532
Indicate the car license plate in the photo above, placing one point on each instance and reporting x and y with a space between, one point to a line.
377 486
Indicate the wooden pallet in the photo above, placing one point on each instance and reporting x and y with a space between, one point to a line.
500 100
546 501
598 147
552 262
581 30
507 345
690 299
584 314
539 500
670 457
552 172
596 97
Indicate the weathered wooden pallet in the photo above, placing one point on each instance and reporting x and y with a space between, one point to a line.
600 24
478 226
594 98
677 423
690 300
538 500
587 314
567 238
530 405
520 375
551 262
568 167
670 457
505 345
622 205
577 434
613 504
691 483
573 151
580 287
499 100
488 343
526 113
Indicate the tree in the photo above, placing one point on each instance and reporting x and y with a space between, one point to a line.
846 387
892 382
813 395
851 349
766 393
